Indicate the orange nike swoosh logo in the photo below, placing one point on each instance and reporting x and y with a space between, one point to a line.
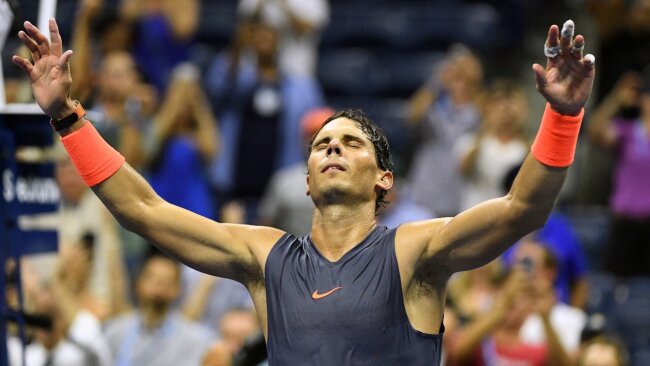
317 296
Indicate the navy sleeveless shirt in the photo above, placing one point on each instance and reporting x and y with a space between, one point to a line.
349 312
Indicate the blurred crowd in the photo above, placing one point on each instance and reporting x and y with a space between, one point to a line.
225 137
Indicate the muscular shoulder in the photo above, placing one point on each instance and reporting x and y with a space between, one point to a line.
414 239
256 242
415 245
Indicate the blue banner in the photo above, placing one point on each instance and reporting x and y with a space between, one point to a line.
29 189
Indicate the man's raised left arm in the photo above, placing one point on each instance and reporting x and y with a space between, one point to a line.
477 236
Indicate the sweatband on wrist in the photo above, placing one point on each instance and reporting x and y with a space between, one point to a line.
555 144
94 158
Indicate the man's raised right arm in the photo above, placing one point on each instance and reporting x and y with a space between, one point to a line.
225 250
232 251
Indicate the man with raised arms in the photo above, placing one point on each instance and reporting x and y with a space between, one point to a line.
351 292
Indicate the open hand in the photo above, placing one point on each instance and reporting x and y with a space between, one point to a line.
50 73
568 78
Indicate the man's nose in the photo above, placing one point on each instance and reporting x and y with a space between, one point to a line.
334 147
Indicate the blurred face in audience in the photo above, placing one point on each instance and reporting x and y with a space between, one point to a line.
462 75
600 354
535 254
158 284
236 326
116 37
118 76
506 112
265 41
70 184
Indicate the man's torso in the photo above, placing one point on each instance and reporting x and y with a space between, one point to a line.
349 311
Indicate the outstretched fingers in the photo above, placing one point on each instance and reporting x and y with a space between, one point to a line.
540 76
552 46
64 59
30 44
55 37
590 62
566 42
23 64
36 35
578 47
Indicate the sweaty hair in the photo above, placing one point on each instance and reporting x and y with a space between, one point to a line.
375 135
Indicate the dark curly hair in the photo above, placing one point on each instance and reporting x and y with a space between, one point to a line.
375 135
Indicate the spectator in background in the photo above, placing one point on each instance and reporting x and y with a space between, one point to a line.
94 20
603 351
123 105
559 236
108 81
566 320
258 106
444 109
625 32
494 337
285 203
184 140
75 265
299 24
472 293
154 333
236 326
212 298
164 32
75 337
628 251
485 157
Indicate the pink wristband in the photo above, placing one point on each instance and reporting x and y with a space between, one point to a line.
94 158
555 144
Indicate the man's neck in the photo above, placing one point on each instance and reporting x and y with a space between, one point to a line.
153 318
338 228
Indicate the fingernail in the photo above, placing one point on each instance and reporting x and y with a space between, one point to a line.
590 58
568 28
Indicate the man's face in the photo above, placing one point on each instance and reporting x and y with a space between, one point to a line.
342 165
118 76
158 284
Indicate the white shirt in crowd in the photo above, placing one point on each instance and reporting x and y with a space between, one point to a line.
84 345
298 53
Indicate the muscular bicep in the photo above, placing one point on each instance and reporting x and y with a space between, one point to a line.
225 250
477 236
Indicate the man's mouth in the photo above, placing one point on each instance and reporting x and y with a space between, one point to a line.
330 167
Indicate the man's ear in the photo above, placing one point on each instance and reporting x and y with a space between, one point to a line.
307 188
385 180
